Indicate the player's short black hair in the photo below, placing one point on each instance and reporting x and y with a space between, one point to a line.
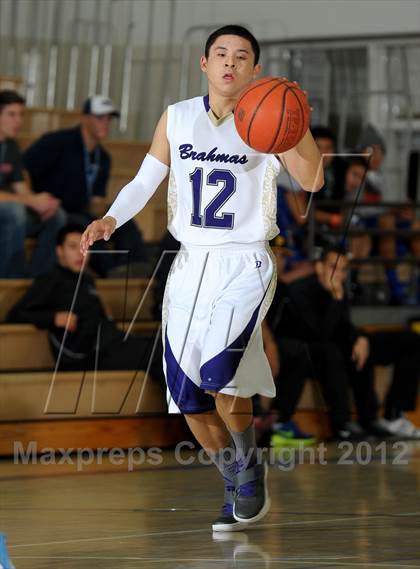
234 30
320 131
8 97
66 230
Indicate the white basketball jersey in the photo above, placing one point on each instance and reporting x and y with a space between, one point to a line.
220 190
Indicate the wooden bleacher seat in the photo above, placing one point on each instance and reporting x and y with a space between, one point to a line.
111 291
128 412
125 393
11 83
11 290
73 421
126 154
25 347
38 120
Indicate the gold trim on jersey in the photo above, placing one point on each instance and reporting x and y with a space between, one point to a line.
269 202
172 197
216 121
268 299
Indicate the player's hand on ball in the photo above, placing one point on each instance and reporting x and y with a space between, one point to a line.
99 229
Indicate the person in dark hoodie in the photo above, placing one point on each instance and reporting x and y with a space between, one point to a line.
48 304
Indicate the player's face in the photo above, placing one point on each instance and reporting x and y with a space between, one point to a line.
230 65
354 177
325 146
69 255
11 120
98 126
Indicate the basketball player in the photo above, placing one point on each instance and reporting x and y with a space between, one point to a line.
222 208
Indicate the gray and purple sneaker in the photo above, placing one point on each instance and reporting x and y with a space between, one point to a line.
226 521
252 501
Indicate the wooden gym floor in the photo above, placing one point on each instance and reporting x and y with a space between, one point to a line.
159 516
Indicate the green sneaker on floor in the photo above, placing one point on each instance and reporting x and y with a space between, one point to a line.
289 435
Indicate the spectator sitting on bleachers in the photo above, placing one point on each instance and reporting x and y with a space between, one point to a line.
291 220
22 213
329 216
168 248
47 305
73 165
400 349
311 326
376 191
356 217
315 313
274 418
296 202
315 316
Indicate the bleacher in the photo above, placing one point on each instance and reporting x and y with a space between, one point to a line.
127 409
121 418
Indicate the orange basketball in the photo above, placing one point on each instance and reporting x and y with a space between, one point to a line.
272 115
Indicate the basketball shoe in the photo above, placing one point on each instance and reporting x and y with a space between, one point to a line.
226 522
252 501
290 435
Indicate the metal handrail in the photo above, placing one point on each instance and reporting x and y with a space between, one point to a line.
409 260
344 41
312 230
349 205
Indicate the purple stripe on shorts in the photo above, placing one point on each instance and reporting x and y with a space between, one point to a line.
220 370
188 397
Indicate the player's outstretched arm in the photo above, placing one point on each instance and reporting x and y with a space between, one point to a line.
304 163
134 196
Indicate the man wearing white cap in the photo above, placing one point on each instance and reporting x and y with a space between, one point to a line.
73 166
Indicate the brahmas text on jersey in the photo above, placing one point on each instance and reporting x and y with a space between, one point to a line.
220 190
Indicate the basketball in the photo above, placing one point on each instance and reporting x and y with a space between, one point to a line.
272 115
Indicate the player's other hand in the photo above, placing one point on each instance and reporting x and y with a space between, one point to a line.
66 320
99 229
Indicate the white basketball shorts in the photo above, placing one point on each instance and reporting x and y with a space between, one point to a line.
215 300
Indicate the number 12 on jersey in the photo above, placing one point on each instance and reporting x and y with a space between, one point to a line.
210 217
